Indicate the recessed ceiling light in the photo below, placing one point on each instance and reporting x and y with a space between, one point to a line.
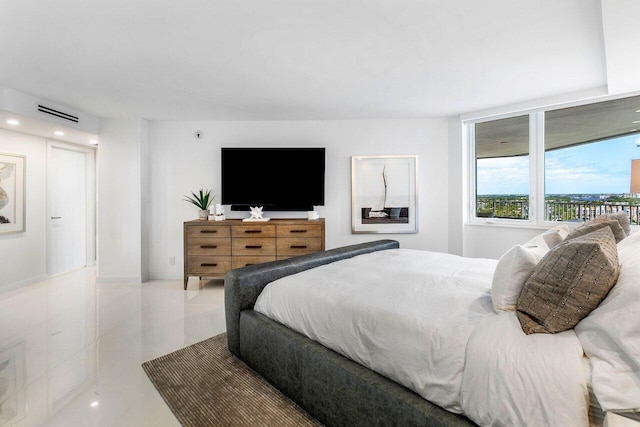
13 122
59 133
94 403
637 111
636 121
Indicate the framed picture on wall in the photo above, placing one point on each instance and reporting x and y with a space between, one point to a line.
12 189
384 195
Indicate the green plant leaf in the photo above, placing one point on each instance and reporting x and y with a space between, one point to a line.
202 200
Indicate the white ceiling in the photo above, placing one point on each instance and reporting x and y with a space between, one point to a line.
298 59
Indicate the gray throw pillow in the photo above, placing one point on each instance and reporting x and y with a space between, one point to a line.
622 218
591 226
568 283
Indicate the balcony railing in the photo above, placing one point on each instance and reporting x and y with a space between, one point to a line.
555 211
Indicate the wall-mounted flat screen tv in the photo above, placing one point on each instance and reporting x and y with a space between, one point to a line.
278 179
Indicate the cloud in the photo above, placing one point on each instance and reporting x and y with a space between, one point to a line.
509 175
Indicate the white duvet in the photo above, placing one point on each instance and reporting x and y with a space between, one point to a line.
425 320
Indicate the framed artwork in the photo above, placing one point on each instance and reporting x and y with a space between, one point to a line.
12 188
384 195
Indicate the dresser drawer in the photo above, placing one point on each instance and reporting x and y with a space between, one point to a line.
243 261
208 231
251 246
288 247
208 265
257 230
306 230
209 246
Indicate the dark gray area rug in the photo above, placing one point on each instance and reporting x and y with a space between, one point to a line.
204 385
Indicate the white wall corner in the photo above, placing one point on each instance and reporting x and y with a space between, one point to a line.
120 200
456 168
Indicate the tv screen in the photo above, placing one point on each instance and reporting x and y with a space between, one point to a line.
279 179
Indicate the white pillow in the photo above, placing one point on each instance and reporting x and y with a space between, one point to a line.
556 235
610 335
513 269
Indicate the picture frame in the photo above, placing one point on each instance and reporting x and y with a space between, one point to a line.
12 193
384 194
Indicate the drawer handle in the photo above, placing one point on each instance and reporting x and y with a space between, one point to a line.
208 246
204 264
253 231
298 231
298 246
253 246
208 231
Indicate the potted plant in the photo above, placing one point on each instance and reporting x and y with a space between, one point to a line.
202 200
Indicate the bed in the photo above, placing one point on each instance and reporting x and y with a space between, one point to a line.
372 334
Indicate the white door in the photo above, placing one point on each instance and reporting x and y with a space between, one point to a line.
67 194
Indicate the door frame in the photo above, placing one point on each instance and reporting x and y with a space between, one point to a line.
90 182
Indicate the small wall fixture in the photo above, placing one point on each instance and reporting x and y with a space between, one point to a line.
13 122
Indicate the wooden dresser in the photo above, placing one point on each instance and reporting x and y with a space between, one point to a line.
211 248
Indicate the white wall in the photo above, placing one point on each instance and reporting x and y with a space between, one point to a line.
180 163
24 255
493 241
120 160
621 34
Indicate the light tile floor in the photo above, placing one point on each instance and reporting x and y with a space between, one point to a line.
71 349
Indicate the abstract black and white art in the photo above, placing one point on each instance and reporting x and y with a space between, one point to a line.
384 194
12 200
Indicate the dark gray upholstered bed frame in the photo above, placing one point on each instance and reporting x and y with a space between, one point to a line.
332 388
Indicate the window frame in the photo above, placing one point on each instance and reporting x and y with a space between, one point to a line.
536 163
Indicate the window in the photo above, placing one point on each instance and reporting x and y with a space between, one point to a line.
582 154
502 168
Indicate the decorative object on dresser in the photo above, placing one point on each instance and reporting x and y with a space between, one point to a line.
219 213
202 201
214 247
256 215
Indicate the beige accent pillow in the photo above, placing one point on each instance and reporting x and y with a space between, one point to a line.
568 283
591 226
513 268
622 218
556 235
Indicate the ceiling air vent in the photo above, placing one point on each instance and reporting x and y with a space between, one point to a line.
56 113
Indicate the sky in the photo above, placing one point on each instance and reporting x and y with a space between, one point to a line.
596 168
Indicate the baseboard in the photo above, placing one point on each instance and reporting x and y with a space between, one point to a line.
163 275
16 285
107 279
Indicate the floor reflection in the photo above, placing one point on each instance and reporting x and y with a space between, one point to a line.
71 349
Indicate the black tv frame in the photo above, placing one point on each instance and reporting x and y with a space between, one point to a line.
289 198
